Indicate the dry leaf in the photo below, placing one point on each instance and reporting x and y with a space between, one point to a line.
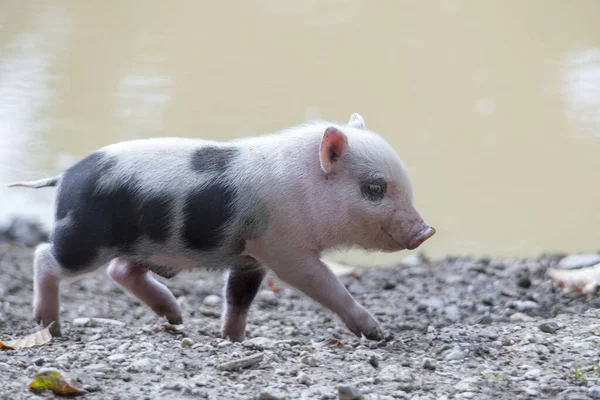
271 285
584 280
54 381
331 342
35 339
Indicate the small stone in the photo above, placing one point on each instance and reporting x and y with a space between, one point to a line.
484 320
271 394
303 379
455 354
429 363
117 357
520 317
81 321
532 392
524 282
211 300
310 361
395 373
186 342
268 297
594 392
579 261
452 312
260 343
39 361
533 374
142 365
347 392
374 361
549 327
520 305
401 394
466 385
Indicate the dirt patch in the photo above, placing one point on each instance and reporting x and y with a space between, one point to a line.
456 329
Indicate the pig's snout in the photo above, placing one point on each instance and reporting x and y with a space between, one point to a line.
419 238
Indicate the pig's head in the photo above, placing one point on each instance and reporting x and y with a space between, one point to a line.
372 190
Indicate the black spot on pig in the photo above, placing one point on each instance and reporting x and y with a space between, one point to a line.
155 217
80 229
115 217
243 284
212 159
206 213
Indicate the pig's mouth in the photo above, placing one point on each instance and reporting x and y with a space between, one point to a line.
397 244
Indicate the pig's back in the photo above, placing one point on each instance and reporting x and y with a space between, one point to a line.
156 199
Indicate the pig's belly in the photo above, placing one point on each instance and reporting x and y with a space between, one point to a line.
168 266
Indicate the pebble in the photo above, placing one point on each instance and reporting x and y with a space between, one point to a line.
429 363
186 342
310 361
347 392
117 357
579 261
93 322
142 365
455 354
533 374
532 392
211 300
520 317
260 343
524 282
452 312
271 394
594 392
521 305
395 373
549 327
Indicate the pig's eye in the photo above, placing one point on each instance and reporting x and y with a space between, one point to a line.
374 191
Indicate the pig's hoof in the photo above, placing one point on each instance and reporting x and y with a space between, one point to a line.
175 319
367 326
170 311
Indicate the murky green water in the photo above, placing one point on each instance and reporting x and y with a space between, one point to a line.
493 105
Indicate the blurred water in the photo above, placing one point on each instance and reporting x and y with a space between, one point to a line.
494 106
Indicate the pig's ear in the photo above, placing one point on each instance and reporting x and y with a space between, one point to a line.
333 146
357 121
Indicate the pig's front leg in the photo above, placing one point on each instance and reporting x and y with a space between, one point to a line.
242 284
312 277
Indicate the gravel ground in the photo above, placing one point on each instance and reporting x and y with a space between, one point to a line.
457 328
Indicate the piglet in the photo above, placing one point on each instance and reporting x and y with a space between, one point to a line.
273 202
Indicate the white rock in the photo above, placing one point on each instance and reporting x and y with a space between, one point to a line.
455 354
260 343
143 364
117 357
533 374
211 300
579 261
594 392
520 317
395 373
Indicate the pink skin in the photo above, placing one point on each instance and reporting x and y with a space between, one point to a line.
234 326
140 283
46 290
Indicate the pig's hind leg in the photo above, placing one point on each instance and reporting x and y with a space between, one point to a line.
241 286
47 274
137 280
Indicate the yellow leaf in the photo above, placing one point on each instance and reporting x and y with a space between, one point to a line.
54 381
35 339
